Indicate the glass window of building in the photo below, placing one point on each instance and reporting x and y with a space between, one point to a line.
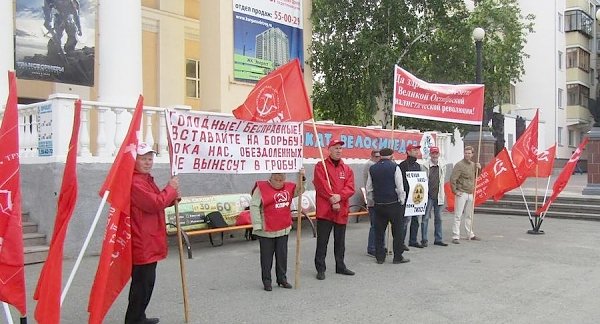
561 22
577 95
560 60
192 79
559 100
578 20
559 135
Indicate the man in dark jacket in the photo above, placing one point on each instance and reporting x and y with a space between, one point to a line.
410 164
148 233
386 189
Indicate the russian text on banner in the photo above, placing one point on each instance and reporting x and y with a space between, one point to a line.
280 96
114 267
203 143
49 285
12 275
444 102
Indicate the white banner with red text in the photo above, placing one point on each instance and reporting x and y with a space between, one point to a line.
417 193
215 144
444 102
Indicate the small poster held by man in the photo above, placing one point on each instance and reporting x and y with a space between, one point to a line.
417 194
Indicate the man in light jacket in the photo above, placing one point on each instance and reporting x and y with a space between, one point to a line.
436 173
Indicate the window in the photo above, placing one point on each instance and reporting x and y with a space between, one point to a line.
561 22
192 78
560 60
577 95
559 136
512 92
577 20
559 101
571 137
578 58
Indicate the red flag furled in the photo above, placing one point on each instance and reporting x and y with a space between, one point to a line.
563 177
280 96
545 163
524 152
114 267
12 274
495 179
48 290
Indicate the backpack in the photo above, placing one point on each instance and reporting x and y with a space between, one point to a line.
215 220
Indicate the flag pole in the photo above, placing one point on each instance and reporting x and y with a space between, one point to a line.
321 153
475 179
181 262
7 313
84 247
388 232
298 231
527 207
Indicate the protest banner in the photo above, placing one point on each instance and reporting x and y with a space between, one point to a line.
417 194
215 144
444 102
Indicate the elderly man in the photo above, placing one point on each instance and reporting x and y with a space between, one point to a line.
436 173
334 185
375 156
410 164
386 187
462 182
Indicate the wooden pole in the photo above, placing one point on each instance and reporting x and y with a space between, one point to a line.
298 231
181 262
475 179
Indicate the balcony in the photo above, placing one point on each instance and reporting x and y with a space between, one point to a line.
579 117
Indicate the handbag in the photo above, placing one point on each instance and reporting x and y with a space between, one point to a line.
215 220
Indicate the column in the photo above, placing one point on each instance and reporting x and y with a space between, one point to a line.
6 47
488 142
593 164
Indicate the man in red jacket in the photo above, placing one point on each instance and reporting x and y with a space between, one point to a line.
334 185
148 232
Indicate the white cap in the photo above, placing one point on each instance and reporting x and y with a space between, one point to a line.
144 148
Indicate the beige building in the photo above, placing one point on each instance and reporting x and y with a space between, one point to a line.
186 58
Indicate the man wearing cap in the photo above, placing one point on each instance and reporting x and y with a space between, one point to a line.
385 187
436 173
148 232
334 185
410 164
375 156
462 182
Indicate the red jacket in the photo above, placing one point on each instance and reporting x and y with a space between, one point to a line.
148 232
342 183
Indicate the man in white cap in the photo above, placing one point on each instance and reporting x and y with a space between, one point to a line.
436 173
148 232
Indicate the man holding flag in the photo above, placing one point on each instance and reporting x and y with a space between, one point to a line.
148 232
462 181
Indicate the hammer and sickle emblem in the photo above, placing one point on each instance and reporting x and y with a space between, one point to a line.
543 156
418 194
499 167
5 201
269 100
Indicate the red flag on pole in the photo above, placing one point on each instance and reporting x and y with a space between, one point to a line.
12 274
449 197
524 152
280 96
545 163
563 177
49 285
114 267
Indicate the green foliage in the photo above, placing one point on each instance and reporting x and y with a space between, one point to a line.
357 42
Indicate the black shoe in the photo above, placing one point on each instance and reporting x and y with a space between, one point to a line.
440 243
152 320
424 244
345 271
321 275
284 284
417 245
403 260
371 254
268 287
380 261
404 247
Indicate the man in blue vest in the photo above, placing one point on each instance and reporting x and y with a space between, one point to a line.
386 187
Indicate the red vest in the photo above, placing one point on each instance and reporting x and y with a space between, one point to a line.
276 205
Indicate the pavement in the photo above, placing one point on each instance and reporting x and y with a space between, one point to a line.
508 277
575 186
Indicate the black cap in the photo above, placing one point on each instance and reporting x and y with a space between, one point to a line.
386 152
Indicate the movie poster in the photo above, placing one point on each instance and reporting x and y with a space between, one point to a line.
266 35
55 40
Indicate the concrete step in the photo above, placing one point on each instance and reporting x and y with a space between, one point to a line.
36 253
32 239
29 227
572 214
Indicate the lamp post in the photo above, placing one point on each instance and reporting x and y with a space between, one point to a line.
478 35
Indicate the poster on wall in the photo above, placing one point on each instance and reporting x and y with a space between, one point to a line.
55 40
266 35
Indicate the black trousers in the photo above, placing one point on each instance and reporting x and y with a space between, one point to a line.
324 228
384 214
270 246
142 283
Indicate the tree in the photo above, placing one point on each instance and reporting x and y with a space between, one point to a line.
357 42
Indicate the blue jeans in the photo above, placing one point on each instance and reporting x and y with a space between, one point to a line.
371 240
437 220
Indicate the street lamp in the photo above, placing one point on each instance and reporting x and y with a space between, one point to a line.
478 35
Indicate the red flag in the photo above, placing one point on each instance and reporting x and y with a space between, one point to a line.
545 163
48 290
449 197
524 152
114 267
563 177
280 96
496 178
12 274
